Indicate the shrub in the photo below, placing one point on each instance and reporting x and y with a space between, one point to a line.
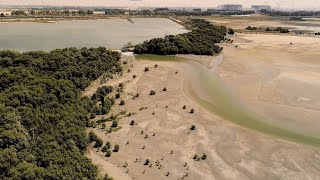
204 156
230 31
92 136
98 143
122 102
108 144
268 29
104 125
147 162
184 107
105 148
116 148
195 157
284 31
134 76
114 123
132 123
192 111
152 92
117 96
193 127
109 153
164 89
146 69
156 65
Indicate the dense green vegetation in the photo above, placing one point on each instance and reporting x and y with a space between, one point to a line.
43 117
278 29
200 41
291 13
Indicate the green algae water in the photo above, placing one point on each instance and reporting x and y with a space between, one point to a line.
207 89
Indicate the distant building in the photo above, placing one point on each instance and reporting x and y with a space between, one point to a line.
99 13
258 8
5 13
231 7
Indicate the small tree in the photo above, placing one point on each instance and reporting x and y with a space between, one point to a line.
192 111
105 176
204 156
195 157
230 31
98 143
105 148
146 69
108 144
114 123
164 89
104 125
92 136
117 96
134 76
122 102
156 65
116 148
109 153
152 92
184 107
132 123
147 162
193 127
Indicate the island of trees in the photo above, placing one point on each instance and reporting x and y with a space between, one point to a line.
200 41
42 115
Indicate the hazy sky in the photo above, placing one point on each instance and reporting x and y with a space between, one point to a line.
296 4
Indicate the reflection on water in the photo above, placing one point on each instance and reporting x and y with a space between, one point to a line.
111 33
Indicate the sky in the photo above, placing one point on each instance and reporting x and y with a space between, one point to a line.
287 4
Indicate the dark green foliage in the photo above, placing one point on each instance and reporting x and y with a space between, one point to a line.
230 31
108 144
116 148
109 153
117 96
98 143
114 123
251 28
122 102
200 41
43 117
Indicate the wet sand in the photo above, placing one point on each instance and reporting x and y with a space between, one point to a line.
232 152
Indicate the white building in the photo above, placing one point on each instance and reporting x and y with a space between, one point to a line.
258 8
5 13
231 7
99 12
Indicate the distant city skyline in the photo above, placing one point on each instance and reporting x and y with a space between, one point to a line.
285 4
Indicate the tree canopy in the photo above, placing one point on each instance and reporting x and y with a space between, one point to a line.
43 117
200 41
